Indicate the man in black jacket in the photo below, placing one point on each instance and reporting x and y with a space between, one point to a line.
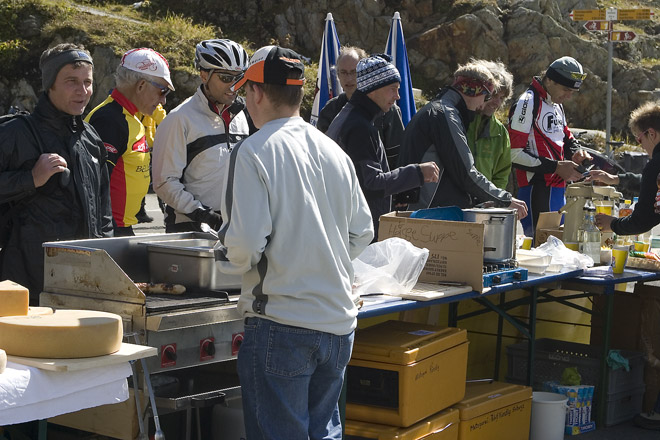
353 129
645 126
53 173
389 124
438 132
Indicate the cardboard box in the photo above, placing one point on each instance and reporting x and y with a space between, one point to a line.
495 410
440 426
548 224
403 372
456 249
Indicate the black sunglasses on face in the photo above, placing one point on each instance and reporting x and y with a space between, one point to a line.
164 90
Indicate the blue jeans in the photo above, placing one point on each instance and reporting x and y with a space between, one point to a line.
291 379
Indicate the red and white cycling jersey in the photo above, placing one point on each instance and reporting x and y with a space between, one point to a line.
538 132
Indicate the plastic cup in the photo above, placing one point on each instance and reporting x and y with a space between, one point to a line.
619 258
527 243
572 245
603 207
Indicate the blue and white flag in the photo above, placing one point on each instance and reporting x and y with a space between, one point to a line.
327 84
396 48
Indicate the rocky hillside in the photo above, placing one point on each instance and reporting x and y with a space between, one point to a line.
525 34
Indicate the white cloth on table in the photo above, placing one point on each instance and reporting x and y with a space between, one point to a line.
29 393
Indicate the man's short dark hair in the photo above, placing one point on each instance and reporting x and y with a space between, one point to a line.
290 96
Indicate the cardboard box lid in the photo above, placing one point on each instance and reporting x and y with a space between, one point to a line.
487 396
456 249
434 424
403 343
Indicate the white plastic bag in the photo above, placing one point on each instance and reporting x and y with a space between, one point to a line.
564 257
390 266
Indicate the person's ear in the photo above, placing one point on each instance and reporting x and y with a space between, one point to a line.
204 74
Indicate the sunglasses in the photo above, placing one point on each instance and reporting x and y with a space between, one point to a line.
580 76
228 78
638 138
164 90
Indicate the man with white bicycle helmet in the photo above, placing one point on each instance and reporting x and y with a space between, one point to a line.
193 143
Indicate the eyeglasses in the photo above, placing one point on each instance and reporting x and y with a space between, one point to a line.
638 138
348 73
228 78
164 90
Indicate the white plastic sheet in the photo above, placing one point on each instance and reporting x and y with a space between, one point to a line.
390 266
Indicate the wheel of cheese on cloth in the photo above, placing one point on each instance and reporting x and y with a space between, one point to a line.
3 361
65 334
14 299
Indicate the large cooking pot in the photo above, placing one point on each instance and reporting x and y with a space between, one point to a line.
499 231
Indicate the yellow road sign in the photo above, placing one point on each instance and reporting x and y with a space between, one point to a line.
634 14
587 14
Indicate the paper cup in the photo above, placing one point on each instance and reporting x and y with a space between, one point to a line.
606 256
527 243
641 246
572 245
619 258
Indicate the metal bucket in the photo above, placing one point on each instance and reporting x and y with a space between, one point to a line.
499 231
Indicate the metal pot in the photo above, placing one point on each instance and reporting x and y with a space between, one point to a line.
499 231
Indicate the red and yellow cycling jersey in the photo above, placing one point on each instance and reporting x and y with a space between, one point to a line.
128 155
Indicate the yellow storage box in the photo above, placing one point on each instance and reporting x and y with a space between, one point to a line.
440 426
403 372
495 411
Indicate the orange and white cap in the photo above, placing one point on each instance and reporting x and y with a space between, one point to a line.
273 65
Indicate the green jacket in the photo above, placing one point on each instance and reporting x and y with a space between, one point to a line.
491 149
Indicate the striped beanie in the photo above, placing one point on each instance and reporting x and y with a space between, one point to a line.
375 72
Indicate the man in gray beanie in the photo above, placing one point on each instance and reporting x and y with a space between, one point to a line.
354 131
543 150
54 182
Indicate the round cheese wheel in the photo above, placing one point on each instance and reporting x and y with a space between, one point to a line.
65 334
39 311
3 361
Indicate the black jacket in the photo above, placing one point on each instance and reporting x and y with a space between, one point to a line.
51 212
354 131
438 133
389 125
643 218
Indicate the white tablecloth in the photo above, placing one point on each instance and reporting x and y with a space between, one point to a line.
29 393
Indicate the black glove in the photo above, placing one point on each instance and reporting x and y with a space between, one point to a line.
208 216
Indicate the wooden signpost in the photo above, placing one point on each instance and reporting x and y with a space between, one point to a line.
603 20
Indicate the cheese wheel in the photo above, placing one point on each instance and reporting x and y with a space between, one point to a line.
3 361
14 299
65 334
39 311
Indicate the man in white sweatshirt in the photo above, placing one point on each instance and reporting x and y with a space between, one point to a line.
294 219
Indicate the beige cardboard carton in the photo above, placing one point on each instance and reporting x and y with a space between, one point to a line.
456 249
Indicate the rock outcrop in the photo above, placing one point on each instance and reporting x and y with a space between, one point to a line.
440 34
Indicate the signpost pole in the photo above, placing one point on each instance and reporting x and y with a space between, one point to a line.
608 106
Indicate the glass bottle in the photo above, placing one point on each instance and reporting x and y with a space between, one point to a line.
589 234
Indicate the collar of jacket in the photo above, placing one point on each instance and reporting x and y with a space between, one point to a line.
656 150
361 101
122 100
56 119
450 95
537 86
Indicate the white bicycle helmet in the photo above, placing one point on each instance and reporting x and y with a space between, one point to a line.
220 54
